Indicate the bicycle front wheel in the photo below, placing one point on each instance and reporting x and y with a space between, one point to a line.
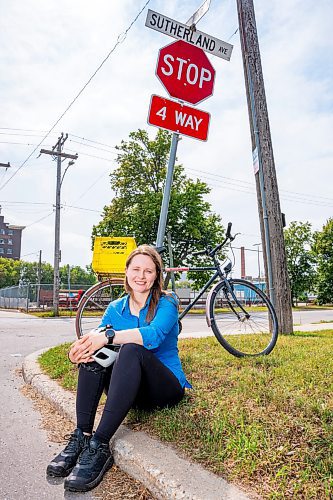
243 318
94 303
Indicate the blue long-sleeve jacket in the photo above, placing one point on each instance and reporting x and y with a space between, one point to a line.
160 335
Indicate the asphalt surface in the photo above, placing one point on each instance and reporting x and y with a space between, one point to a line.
25 449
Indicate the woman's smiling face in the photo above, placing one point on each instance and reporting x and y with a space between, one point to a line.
141 273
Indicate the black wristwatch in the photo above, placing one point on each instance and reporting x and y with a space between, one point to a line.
109 334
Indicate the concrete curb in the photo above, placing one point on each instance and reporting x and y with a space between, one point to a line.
156 465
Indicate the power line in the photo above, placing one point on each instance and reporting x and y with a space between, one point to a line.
249 188
92 185
90 140
25 202
94 147
91 156
31 253
24 129
39 220
22 143
40 203
120 39
22 135
312 199
82 208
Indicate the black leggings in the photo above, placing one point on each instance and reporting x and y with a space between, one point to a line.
137 379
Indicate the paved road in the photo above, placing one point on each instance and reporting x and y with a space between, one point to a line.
195 325
25 450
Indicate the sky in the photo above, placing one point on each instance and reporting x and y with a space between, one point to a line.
49 52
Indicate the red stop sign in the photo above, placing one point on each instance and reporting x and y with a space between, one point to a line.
185 71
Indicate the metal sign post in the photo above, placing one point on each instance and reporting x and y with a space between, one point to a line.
167 191
199 13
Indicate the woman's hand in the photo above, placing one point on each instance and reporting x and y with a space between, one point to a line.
82 349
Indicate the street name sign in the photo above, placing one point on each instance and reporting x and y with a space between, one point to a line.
199 13
208 43
185 71
178 117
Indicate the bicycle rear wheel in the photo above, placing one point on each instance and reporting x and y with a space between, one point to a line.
243 319
94 303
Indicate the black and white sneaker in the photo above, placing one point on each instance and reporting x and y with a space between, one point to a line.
91 466
63 463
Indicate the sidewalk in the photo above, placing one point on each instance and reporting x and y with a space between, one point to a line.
156 465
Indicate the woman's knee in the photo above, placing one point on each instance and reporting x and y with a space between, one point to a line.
132 351
131 348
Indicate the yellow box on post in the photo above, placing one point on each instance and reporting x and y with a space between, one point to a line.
110 254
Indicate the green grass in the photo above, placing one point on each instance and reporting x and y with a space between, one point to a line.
265 423
50 314
63 312
56 364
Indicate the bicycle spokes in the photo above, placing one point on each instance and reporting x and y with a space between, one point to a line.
243 320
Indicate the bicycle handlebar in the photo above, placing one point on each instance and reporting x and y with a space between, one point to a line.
211 252
227 234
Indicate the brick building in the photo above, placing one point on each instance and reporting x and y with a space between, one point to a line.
10 239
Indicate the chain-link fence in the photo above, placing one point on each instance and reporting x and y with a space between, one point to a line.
39 296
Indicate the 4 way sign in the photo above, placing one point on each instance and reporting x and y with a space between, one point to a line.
178 117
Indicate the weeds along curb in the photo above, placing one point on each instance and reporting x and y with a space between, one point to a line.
156 465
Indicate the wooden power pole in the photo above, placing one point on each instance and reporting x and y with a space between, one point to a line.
57 153
270 216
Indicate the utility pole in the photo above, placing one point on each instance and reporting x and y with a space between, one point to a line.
270 216
57 153
39 277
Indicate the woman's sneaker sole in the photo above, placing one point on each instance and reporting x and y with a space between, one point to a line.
52 472
89 486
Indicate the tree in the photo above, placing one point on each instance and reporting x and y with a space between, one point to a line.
29 272
323 249
78 276
138 183
300 260
19 272
9 272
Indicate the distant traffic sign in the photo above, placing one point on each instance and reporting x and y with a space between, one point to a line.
181 31
186 72
178 117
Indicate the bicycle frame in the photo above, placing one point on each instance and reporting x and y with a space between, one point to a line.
218 274
202 291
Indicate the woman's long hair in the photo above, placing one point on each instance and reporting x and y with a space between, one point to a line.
156 289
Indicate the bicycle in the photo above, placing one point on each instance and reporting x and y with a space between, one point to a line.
240 314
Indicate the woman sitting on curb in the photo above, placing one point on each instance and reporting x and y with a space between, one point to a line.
147 373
